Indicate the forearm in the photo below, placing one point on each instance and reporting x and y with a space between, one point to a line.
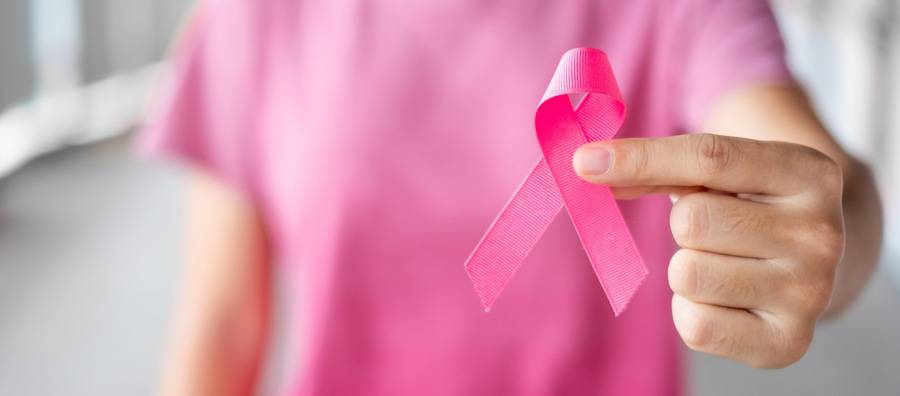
217 344
214 359
222 318
863 229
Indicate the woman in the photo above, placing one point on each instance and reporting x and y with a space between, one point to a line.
360 149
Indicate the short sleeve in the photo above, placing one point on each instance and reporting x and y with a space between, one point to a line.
733 43
202 112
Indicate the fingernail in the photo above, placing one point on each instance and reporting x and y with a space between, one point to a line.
592 160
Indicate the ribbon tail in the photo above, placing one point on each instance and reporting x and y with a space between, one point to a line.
513 234
609 246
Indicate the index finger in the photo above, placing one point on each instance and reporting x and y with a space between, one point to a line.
717 162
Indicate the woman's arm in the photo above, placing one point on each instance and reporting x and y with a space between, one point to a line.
222 317
784 114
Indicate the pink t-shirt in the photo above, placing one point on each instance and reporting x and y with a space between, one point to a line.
380 138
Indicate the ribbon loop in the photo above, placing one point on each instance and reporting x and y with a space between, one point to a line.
553 184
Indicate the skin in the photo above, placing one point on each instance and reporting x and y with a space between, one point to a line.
222 317
766 211
775 228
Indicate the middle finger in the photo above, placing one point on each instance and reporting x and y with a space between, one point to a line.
729 225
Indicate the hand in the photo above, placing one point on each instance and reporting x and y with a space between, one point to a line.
760 226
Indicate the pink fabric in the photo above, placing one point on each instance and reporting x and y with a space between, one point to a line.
552 183
379 138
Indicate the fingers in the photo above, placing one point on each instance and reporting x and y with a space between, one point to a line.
729 281
748 283
729 225
756 311
761 228
717 162
761 232
738 334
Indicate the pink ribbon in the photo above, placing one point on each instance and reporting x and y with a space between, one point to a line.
553 183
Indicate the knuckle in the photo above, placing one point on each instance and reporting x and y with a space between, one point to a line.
811 294
699 332
829 174
744 288
824 172
822 240
815 296
635 158
714 153
689 220
683 274
820 298
743 222
696 334
788 346
830 238
796 342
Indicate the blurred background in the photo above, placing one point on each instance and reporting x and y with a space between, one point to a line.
89 258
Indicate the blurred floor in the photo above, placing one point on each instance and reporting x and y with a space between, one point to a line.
88 262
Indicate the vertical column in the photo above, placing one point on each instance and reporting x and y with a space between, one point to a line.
890 174
56 49
15 62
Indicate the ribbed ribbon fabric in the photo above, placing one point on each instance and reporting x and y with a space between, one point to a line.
553 183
